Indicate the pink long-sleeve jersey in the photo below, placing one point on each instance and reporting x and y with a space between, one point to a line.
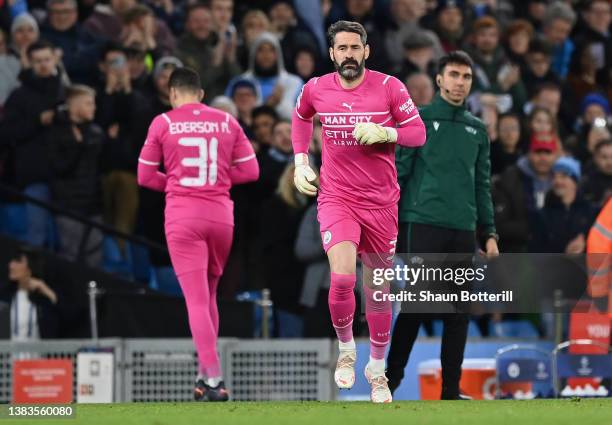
204 151
365 176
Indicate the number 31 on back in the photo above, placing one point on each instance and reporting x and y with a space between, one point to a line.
206 152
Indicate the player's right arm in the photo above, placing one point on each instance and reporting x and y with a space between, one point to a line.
244 166
150 157
301 134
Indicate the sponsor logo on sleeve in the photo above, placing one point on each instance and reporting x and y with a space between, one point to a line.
407 106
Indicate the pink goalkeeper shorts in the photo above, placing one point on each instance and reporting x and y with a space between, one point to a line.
373 231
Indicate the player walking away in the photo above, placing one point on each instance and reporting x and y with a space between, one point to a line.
357 206
204 153
446 194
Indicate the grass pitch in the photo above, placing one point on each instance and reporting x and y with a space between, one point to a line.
539 412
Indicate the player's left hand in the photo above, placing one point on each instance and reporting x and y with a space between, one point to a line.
368 133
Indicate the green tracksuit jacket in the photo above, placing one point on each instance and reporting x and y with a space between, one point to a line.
446 182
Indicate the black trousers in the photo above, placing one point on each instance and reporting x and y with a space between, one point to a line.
417 238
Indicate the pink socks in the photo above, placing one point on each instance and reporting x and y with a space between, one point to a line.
342 304
378 313
378 316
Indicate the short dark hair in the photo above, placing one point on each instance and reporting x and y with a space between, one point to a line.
546 85
35 258
185 79
195 6
346 26
280 121
110 46
538 45
264 110
457 57
39 45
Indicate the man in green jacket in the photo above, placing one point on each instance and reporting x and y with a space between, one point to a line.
445 196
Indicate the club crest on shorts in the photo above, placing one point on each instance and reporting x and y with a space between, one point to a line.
327 237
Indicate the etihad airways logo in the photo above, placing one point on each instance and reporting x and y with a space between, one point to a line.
338 126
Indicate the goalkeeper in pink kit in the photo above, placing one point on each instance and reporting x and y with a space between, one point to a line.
204 152
363 115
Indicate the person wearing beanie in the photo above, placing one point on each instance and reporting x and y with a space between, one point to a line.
566 217
594 105
24 32
25 19
275 86
590 127
569 167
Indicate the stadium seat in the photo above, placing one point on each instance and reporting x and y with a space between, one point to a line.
114 261
583 368
164 279
523 372
13 221
141 265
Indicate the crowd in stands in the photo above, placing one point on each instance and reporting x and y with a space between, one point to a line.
81 80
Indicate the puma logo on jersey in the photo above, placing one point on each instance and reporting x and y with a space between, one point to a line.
349 107
436 125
